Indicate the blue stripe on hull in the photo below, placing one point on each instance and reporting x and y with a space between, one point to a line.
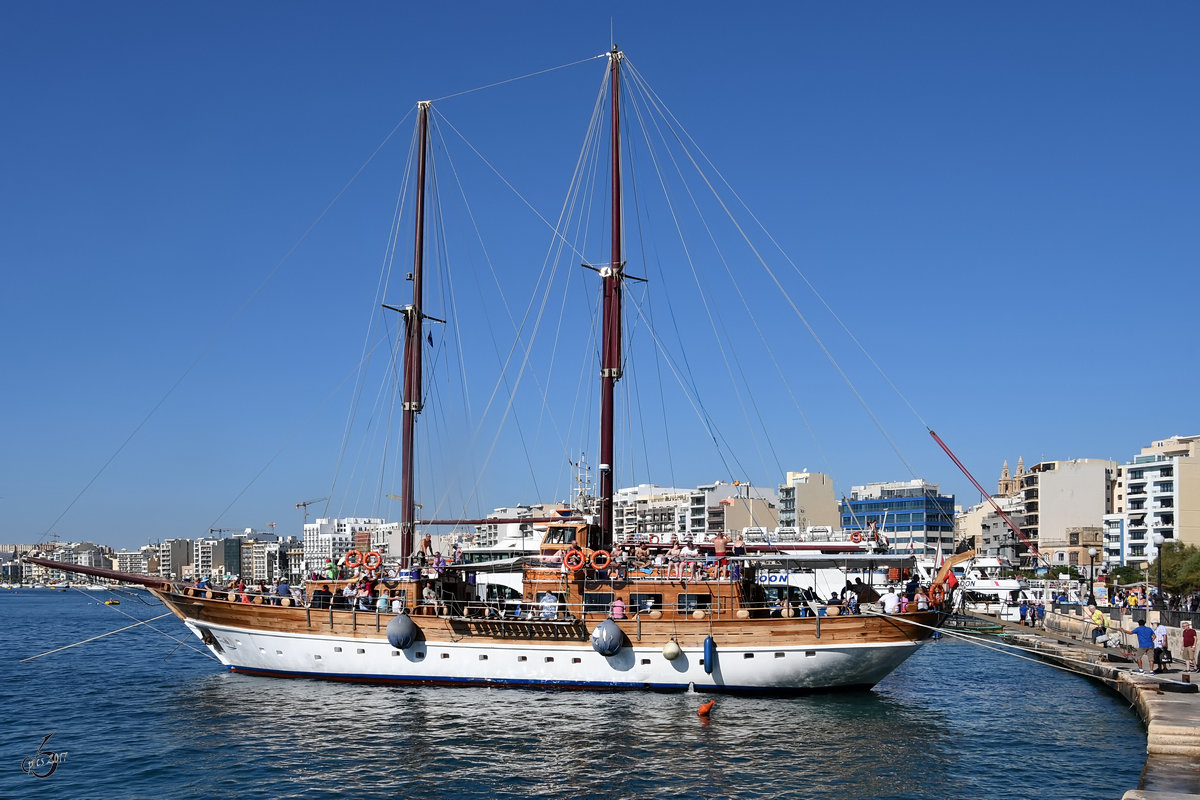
535 684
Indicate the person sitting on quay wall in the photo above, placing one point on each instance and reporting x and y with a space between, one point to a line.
1096 616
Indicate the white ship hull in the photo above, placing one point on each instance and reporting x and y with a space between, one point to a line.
560 664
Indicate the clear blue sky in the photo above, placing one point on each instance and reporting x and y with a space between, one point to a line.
1001 201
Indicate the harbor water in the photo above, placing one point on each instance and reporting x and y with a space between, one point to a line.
138 715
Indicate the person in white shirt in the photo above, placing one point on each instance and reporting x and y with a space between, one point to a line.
890 601
1160 647
549 606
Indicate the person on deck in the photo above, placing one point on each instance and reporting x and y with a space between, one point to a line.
890 601
675 561
429 598
618 609
690 555
641 556
321 598
620 560
922 600
865 593
549 605
720 544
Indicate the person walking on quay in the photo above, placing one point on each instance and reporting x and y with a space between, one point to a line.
1189 645
1145 639
1161 656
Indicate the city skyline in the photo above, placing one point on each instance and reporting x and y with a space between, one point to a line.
995 200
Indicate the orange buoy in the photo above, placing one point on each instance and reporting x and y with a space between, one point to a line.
705 708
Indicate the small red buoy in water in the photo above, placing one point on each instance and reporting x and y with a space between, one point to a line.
705 708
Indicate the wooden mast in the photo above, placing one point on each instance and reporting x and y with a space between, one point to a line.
412 352
610 365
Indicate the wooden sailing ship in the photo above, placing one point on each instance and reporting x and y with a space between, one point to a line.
581 621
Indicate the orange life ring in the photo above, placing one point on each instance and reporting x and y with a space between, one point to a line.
653 539
856 537
937 594
601 559
373 560
574 559
354 559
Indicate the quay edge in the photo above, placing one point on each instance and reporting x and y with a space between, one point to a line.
1170 709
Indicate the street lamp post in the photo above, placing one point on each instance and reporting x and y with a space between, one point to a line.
1158 540
1092 553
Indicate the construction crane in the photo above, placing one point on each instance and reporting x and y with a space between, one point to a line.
211 531
305 504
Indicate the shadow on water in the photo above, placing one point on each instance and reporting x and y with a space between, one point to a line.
953 719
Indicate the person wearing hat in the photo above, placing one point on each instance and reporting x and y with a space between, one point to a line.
1189 645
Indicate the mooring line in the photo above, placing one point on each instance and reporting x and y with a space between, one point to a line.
998 647
94 638
169 636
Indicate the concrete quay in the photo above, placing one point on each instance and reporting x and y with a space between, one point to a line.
1169 704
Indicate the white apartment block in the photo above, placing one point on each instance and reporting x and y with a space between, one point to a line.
1157 495
648 508
333 538
134 561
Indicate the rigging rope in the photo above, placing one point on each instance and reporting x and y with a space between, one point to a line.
999 646
228 324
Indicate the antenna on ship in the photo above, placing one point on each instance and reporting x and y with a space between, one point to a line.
582 499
